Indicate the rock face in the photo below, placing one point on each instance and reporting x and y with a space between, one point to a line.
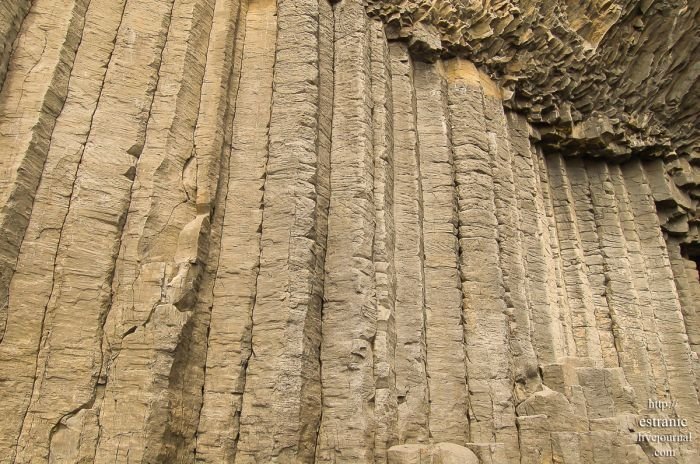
442 453
302 231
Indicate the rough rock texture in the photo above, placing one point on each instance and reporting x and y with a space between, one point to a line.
620 74
442 453
302 231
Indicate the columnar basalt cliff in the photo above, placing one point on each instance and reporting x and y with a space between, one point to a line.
313 231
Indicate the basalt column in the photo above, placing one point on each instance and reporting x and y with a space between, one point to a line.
345 231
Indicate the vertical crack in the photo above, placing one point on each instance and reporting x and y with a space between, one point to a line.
331 102
218 211
55 251
421 243
182 356
248 336
152 89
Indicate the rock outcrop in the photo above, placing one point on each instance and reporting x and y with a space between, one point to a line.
312 231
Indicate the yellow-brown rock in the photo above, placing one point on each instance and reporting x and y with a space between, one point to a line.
359 232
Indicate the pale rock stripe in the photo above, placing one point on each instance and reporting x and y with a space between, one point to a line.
347 427
384 348
575 276
234 290
535 258
489 365
411 380
283 373
593 258
443 289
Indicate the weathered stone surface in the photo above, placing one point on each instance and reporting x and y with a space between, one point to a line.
12 12
408 454
29 296
312 231
283 377
593 71
489 364
384 348
443 290
441 453
349 322
31 101
410 363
